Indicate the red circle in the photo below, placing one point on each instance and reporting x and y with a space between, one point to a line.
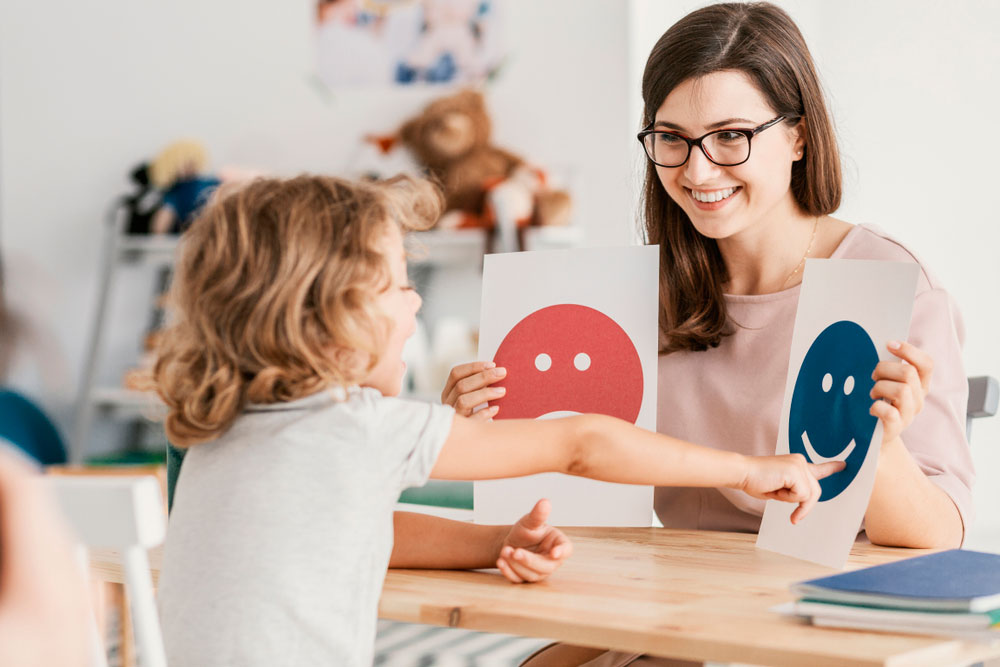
611 385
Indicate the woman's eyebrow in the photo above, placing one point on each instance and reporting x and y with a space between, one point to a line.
714 126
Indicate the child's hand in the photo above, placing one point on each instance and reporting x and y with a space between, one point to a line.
468 385
788 478
902 386
532 549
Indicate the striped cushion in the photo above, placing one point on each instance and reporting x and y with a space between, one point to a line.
413 645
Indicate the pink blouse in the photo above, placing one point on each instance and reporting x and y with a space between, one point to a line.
730 397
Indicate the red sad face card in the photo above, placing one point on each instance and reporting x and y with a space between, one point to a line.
576 331
569 359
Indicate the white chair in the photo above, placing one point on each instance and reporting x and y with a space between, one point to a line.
125 514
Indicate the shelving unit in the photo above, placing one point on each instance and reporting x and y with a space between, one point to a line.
462 247
445 247
123 403
114 401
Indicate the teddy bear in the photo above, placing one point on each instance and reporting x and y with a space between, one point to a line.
484 186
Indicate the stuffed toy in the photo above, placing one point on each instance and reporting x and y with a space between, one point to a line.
484 185
177 172
140 206
381 156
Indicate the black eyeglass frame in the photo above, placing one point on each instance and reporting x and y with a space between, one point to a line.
749 134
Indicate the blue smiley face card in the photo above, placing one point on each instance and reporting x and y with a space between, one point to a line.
829 417
848 311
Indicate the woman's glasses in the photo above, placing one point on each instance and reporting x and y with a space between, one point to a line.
726 148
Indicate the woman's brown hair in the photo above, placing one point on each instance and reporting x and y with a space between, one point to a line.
275 295
761 41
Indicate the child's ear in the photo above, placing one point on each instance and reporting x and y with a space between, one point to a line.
349 363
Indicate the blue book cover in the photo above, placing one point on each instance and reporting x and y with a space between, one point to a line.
954 580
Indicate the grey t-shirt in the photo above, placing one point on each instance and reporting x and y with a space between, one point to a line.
281 529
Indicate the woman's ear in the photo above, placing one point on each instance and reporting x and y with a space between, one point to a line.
799 145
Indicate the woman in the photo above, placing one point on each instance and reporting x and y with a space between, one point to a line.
735 227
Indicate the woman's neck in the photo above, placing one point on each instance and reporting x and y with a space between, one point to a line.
770 256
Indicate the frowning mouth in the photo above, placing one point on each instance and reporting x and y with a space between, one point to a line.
816 457
558 414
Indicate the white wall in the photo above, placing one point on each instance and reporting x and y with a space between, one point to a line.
914 94
89 91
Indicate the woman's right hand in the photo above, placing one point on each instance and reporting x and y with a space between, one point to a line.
468 385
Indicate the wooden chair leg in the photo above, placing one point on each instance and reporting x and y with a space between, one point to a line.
128 631
113 622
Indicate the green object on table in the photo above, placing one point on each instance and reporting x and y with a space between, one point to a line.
138 457
440 493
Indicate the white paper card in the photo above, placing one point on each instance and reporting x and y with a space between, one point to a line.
848 310
577 332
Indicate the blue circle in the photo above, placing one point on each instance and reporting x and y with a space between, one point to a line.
829 416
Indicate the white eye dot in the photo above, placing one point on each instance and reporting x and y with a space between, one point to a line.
848 385
827 382
543 362
582 361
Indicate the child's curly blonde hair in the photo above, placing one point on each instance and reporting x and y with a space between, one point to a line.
275 295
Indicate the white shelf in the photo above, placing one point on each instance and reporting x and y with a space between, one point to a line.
464 247
552 238
122 401
142 246
440 247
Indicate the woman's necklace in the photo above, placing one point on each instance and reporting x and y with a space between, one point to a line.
802 262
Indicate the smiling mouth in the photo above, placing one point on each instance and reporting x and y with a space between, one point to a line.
712 196
815 456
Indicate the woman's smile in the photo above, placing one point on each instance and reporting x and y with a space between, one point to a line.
712 200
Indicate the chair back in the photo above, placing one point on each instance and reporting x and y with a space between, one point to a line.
125 514
984 392
24 425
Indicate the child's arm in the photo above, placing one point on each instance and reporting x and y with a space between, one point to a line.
529 550
613 450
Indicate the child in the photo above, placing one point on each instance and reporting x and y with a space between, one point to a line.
281 373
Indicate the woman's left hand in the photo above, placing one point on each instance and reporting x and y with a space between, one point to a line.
900 388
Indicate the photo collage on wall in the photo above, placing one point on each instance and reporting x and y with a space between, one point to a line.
406 42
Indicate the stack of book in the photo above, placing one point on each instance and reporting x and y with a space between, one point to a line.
952 593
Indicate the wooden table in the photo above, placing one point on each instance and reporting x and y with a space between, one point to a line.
694 595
